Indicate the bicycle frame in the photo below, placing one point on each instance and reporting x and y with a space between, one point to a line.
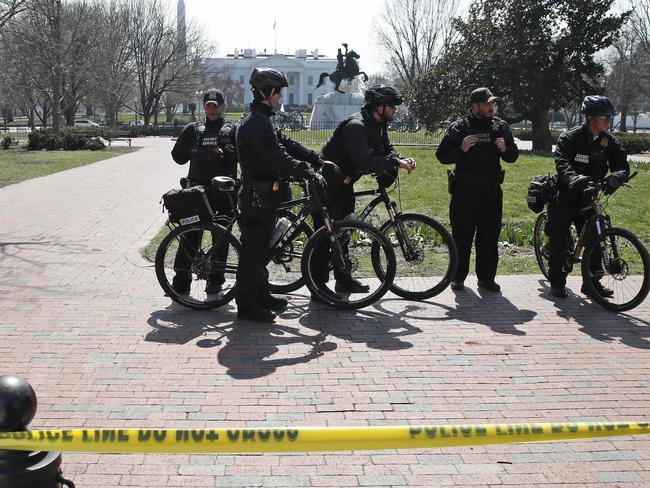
391 208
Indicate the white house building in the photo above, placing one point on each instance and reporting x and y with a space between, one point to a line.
301 69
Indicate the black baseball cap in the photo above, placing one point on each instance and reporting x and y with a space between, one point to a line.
213 96
482 95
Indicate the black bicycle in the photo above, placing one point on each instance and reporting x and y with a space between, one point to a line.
613 256
368 255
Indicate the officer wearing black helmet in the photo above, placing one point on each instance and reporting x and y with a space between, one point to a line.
264 161
209 146
358 146
584 153
476 143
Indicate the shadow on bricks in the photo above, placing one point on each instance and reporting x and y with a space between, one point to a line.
179 325
491 309
599 323
248 349
376 329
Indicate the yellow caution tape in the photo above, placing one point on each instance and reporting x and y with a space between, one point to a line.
304 439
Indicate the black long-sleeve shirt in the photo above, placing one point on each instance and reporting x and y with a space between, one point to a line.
261 156
483 159
578 152
360 145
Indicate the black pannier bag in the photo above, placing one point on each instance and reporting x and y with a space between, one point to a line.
541 190
188 206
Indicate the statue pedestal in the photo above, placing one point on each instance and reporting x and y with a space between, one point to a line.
332 108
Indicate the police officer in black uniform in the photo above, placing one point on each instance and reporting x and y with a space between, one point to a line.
476 143
584 153
264 162
359 145
209 146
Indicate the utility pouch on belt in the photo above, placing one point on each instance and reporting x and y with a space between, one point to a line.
266 194
188 206
451 181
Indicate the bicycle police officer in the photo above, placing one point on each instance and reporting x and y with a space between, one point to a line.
264 161
209 146
358 146
476 143
584 153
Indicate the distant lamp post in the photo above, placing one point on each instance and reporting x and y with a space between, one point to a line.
135 111
198 94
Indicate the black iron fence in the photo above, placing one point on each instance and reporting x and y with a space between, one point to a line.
318 133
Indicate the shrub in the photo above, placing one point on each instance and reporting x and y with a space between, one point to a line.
69 139
6 142
634 143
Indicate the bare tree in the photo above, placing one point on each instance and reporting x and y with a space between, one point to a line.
54 41
10 8
163 61
623 78
414 33
115 72
640 22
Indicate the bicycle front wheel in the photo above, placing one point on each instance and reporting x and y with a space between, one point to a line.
615 270
285 274
196 266
540 243
426 256
350 248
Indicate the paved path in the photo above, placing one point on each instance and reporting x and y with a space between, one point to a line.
84 321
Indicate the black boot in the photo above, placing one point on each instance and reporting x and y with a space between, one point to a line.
255 313
600 289
350 285
273 303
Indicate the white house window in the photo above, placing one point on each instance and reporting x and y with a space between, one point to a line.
310 81
241 79
309 98
291 80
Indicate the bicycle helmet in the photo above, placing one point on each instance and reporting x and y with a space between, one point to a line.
379 95
266 81
595 105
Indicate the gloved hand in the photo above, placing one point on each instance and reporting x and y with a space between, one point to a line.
332 173
317 183
579 182
612 184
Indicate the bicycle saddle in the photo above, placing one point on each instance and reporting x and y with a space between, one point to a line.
223 183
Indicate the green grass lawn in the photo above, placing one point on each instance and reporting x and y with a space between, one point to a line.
425 191
18 164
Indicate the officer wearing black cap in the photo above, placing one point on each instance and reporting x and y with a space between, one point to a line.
264 161
359 145
476 143
209 146
584 153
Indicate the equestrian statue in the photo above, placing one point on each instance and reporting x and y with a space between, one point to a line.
347 70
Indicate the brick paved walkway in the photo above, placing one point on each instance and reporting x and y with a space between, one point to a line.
84 320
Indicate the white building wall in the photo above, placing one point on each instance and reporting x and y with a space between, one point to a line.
299 70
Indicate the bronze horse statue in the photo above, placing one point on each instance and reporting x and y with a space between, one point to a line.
348 72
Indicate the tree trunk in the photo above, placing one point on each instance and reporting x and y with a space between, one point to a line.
622 126
58 71
542 138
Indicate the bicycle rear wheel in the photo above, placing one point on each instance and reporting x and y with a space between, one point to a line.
359 239
426 256
540 243
621 264
285 274
205 259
